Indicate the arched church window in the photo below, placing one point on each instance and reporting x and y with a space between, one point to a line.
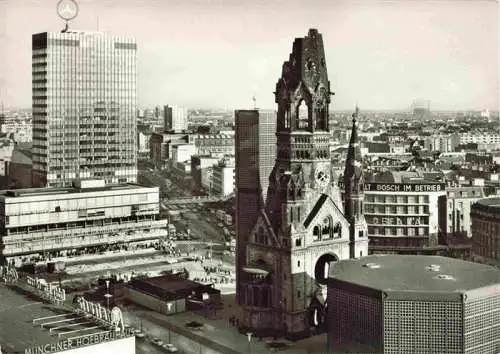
337 230
303 115
298 242
316 235
327 228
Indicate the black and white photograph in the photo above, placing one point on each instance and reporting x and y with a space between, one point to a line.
249 176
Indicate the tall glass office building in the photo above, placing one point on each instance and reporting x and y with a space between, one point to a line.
84 105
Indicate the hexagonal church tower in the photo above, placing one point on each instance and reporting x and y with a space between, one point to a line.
303 227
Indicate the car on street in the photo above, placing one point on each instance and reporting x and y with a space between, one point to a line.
158 342
170 348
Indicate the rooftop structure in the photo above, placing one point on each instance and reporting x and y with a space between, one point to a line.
418 275
41 223
413 304
30 326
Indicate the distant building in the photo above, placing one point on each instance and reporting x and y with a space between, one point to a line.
83 131
6 150
223 178
405 214
375 147
485 216
255 152
20 132
484 141
143 141
442 143
161 147
214 144
19 172
181 172
183 152
41 223
200 164
413 304
460 200
421 108
175 119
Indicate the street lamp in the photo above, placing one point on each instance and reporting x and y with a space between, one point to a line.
169 307
205 298
249 336
107 295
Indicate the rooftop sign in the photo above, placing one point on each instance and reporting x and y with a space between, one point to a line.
402 187
78 342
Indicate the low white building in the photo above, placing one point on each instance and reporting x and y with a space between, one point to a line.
39 223
183 152
223 179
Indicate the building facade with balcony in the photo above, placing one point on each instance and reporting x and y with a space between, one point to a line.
405 217
37 224
214 144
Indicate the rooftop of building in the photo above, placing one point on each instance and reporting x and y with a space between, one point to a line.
18 309
419 274
20 157
16 193
493 203
172 285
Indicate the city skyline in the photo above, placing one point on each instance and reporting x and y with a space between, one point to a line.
382 54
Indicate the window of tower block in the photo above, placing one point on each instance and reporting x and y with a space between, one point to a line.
322 268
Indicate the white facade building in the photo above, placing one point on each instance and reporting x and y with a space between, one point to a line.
175 118
21 131
223 179
480 138
183 152
403 215
142 142
51 221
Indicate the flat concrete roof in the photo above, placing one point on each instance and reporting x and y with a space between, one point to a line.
167 284
410 273
16 193
18 309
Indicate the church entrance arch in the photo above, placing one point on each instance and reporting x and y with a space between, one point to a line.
322 267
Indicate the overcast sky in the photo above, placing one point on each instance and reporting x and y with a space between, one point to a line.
219 53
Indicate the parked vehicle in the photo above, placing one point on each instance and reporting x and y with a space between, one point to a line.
170 348
157 341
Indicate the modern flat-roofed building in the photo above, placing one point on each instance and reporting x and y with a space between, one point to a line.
43 223
405 215
175 119
223 178
460 200
413 304
214 144
485 217
84 108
